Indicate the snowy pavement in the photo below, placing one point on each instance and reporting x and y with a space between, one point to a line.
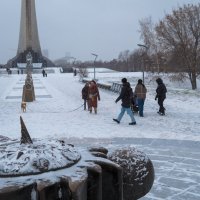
172 141
176 164
177 168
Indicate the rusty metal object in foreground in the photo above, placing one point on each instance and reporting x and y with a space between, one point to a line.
49 169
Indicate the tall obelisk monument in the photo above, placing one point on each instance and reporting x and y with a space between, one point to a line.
28 37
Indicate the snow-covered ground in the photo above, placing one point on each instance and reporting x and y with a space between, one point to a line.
172 141
57 111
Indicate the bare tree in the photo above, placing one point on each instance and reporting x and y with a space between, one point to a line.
83 73
149 37
136 60
179 32
147 33
124 59
124 55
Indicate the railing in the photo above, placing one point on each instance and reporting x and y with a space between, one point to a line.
104 86
115 87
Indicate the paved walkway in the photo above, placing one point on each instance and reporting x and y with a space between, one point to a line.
177 168
176 164
16 91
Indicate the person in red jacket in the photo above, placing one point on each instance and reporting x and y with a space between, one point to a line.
94 96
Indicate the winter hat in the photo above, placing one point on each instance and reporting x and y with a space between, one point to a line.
93 81
159 81
140 81
124 80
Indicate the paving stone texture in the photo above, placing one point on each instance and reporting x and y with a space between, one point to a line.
177 168
176 164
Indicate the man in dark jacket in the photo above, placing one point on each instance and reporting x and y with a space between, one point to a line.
43 73
125 96
161 95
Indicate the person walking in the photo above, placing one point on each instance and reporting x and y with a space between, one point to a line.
125 96
75 72
43 73
161 95
85 95
94 96
140 92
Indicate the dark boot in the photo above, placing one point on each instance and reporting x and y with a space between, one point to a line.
161 113
116 120
132 123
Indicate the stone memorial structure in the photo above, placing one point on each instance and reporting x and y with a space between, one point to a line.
29 37
37 169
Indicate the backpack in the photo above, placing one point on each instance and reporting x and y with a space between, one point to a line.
130 93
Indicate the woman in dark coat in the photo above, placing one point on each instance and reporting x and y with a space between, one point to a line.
161 95
93 96
85 95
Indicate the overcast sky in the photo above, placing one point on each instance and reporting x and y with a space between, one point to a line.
82 27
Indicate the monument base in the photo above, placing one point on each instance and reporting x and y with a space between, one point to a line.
37 58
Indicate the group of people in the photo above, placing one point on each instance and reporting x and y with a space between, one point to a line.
90 95
128 98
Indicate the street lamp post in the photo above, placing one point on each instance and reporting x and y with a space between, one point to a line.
146 48
95 55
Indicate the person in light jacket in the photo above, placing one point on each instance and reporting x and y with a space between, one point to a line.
140 92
